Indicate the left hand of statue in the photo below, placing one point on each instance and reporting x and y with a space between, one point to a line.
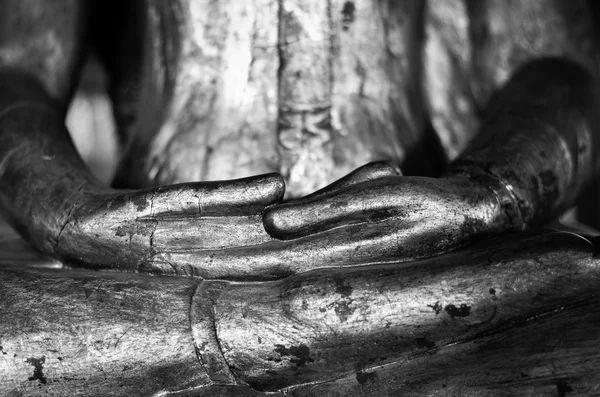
389 218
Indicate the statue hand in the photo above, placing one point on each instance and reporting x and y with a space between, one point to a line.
390 218
212 230
215 229
133 230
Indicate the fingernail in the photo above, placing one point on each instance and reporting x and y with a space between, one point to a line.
278 224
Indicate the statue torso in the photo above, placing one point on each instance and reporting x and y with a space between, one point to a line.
309 89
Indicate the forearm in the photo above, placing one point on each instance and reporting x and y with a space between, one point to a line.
87 333
318 326
76 332
538 143
41 175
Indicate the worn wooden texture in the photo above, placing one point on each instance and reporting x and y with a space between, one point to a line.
305 79
555 354
510 316
208 98
535 152
377 328
233 91
216 229
378 105
84 333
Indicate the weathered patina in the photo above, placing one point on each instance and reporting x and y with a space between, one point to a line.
262 147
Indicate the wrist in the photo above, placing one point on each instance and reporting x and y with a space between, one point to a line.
42 178
50 217
503 195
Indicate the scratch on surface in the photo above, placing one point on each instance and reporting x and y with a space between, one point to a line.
175 270
160 258
152 238
253 41
199 204
68 218
304 20
218 342
203 323
120 337
152 202
499 329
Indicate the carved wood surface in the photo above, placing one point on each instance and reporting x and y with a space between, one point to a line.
511 316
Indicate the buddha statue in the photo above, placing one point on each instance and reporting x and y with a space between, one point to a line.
314 198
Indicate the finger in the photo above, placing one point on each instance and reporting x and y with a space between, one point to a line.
211 232
364 202
368 172
219 198
355 245
223 391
